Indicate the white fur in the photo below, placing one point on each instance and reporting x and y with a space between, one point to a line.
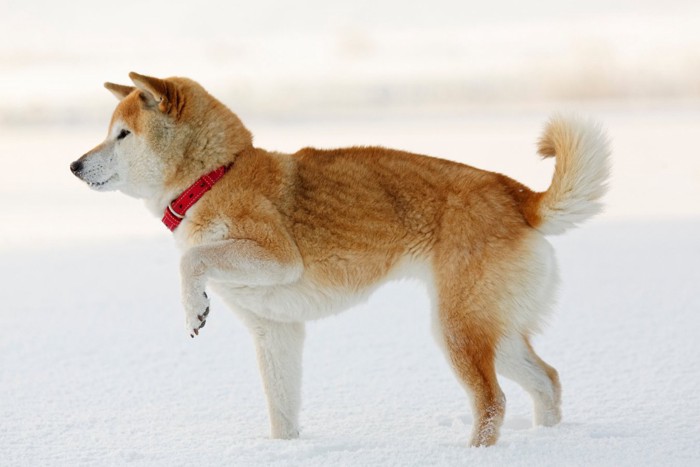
532 286
529 301
580 175
279 349
128 165
515 361
304 300
100 167
240 264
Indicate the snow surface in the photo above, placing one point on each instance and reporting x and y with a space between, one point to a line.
96 368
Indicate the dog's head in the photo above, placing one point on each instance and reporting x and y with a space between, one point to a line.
163 133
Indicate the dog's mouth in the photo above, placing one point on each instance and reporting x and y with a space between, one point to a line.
98 185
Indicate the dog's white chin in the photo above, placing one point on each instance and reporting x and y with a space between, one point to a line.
109 184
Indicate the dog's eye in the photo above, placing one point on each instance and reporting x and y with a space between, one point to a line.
123 134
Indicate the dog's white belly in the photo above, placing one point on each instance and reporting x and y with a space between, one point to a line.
300 301
305 300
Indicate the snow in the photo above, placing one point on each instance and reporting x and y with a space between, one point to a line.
96 368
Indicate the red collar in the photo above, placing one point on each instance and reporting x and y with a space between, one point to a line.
177 209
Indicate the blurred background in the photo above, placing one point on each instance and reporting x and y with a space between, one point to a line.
467 80
313 57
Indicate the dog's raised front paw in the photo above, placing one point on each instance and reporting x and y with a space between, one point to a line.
196 312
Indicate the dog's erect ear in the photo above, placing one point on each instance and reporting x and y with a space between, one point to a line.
119 91
155 91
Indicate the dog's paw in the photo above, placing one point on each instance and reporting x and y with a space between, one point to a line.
196 312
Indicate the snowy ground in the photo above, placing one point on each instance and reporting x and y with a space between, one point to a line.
96 369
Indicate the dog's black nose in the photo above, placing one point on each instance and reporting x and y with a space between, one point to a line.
76 167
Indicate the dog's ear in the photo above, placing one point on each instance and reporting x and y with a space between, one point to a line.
155 91
119 91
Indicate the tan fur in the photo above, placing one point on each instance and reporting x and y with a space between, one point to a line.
342 220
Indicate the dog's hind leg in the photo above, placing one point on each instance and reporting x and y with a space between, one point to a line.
517 360
469 338
279 350
531 298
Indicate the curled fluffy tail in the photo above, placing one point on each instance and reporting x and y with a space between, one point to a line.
580 174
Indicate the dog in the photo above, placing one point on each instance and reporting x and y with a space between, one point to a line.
288 238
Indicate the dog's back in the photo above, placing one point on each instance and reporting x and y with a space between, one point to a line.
372 206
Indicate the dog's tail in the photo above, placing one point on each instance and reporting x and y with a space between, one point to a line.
580 175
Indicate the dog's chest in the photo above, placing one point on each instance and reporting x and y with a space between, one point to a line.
186 236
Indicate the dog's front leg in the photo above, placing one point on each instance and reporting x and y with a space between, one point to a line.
279 350
241 262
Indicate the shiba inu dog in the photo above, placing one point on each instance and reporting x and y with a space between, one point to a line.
287 238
